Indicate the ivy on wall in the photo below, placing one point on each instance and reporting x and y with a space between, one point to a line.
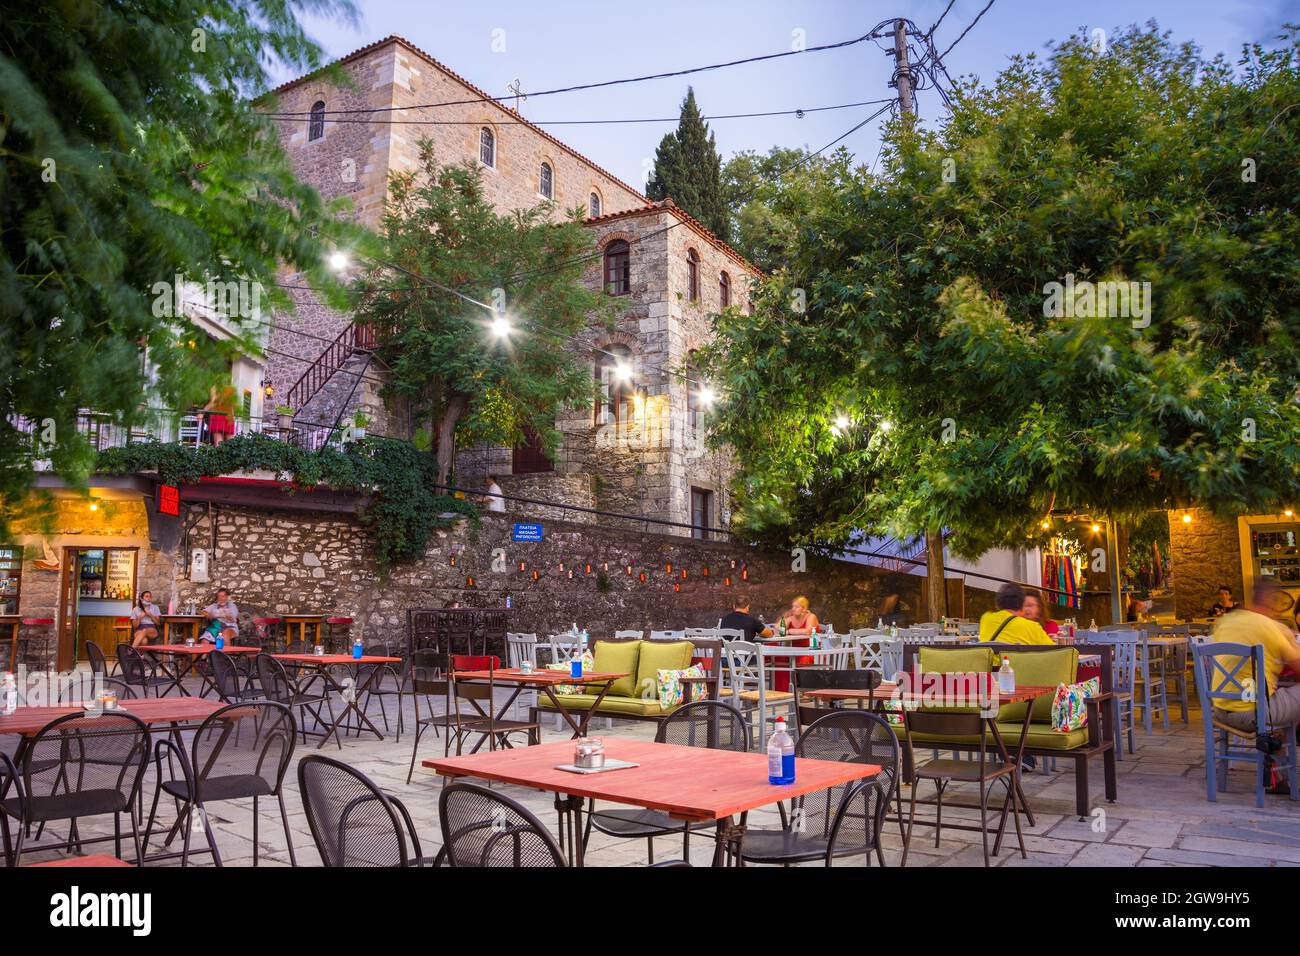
393 475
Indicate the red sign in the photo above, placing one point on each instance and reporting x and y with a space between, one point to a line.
169 500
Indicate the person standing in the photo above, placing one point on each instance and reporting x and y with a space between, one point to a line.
223 612
493 498
220 414
145 620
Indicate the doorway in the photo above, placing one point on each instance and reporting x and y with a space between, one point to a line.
97 587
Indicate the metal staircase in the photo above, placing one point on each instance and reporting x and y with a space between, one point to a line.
353 340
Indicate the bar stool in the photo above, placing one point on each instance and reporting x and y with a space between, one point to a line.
44 627
334 643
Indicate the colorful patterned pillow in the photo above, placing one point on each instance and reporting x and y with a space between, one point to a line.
588 660
1069 712
670 686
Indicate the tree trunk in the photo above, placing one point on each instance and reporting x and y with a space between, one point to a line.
445 437
936 586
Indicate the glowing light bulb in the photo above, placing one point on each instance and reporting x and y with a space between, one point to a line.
501 327
1187 519
338 261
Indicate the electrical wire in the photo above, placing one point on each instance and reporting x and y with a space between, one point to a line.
967 30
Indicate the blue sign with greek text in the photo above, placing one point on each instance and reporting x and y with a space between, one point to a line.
528 532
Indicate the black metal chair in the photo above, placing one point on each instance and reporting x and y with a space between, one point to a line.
98 662
807 678
384 680
702 723
483 828
352 821
240 751
231 682
76 766
841 821
137 672
277 686
428 679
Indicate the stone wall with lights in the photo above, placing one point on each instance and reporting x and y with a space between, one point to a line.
1205 553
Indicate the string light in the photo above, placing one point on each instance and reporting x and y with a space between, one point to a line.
1096 528
1187 518
501 327
338 260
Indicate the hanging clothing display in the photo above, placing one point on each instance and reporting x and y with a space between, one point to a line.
1063 576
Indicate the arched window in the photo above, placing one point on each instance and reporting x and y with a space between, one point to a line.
316 125
724 291
614 378
618 268
593 205
487 147
693 275
546 181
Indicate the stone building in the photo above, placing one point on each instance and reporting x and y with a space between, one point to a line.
642 450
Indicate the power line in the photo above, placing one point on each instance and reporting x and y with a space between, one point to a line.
966 31
934 26
800 112
604 83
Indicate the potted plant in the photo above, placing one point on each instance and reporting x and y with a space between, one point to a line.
359 422
286 413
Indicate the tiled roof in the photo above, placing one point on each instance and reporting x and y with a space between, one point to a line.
488 99
667 205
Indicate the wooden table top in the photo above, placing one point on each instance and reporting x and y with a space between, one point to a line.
183 617
98 859
889 691
687 783
335 659
539 677
303 617
201 648
28 721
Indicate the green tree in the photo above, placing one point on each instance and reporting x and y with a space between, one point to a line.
931 383
131 155
688 170
445 361
768 196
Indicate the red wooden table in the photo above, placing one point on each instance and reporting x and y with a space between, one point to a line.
190 654
97 859
547 681
28 721
688 783
350 694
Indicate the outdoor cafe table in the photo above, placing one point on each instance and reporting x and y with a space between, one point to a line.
187 656
691 784
321 661
891 700
189 623
546 681
302 621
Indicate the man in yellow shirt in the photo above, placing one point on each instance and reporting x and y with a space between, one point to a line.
1008 625
1251 626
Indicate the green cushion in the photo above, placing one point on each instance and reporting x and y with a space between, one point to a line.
616 657
955 660
1040 736
613 706
1060 665
657 656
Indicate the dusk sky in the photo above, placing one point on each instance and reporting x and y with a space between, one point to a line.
559 44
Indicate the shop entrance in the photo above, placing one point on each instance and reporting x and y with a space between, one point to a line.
97 590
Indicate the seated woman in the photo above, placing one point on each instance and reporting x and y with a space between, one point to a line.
145 618
1035 609
799 620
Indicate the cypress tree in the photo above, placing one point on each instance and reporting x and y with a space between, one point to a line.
689 170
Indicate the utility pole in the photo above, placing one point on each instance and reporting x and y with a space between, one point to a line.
902 69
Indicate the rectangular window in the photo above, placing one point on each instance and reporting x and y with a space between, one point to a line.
11 578
529 457
701 513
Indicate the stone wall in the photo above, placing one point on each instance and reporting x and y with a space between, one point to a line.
1204 553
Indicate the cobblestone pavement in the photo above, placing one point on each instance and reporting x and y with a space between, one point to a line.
1162 817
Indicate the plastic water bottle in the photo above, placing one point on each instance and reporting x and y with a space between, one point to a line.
780 756
507 602
357 650
1006 677
221 641
9 693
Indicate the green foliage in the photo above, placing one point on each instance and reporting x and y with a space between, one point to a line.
443 359
925 324
132 155
688 170
771 195
396 477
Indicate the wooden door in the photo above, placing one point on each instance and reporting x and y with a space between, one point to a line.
67 619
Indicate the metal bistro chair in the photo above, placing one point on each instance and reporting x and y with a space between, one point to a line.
98 662
353 822
277 686
1234 672
702 723
482 720
384 680
137 672
76 766
429 679
231 683
240 751
483 828
842 821
806 679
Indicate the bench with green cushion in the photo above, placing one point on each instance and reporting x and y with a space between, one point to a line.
1034 667
636 696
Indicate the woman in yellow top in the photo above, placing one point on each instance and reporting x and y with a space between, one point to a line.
1008 625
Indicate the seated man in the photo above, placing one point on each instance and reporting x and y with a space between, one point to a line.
1253 625
741 620
222 612
1007 624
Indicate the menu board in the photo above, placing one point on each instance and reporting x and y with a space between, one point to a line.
119 576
